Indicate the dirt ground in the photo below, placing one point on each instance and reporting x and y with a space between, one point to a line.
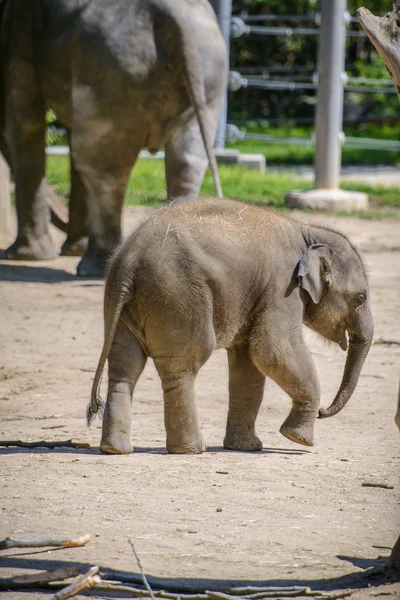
284 516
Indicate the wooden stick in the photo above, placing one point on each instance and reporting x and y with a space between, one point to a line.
282 592
250 591
221 596
86 581
44 444
140 593
146 583
333 595
386 341
27 581
385 486
114 586
60 542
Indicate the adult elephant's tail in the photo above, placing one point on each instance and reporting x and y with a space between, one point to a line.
194 78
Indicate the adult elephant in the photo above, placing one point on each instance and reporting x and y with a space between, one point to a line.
384 33
121 76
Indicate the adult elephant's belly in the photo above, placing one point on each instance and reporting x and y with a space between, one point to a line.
56 88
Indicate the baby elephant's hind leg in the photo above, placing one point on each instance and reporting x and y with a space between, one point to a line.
125 364
180 412
246 388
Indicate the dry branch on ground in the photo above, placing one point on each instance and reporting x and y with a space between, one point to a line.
29 581
43 444
59 542
85 582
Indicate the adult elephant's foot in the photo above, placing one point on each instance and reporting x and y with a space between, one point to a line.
74 247
244 441
192 445
41 248
299 426
92 265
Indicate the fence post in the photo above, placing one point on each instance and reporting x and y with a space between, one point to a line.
223 10
329 116
5 202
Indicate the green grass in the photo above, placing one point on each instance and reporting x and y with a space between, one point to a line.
147 186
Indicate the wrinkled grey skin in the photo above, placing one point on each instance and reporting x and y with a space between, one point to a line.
394 561
121 76
222 274
384 33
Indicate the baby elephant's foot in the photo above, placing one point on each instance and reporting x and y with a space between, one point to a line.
115 440
299 427
115 446
244 441
194 445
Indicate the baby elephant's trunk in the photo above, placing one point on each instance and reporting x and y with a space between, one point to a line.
359 345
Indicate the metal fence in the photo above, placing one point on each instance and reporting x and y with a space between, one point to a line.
330 83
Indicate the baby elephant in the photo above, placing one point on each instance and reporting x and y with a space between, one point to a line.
222 274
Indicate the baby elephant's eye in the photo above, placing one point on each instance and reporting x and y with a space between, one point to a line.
359 299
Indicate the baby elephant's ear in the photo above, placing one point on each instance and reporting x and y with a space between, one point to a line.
314 271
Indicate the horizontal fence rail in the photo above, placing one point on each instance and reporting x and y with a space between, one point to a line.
315 17
239 28
234 134
237 81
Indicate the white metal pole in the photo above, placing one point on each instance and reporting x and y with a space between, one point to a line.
329 113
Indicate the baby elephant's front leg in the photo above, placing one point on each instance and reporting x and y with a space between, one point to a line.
125 364
298 378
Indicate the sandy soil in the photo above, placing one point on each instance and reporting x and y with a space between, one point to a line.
282 516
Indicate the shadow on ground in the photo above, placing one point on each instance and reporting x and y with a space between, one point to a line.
44 447
375 573
39 274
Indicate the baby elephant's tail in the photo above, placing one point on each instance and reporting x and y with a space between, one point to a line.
114 302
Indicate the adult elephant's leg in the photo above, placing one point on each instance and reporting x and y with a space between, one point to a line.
105 145
126 362
185 159
104 166
78 227
294 371
25 133
105 201
246 388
